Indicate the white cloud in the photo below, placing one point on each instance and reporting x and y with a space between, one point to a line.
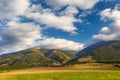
70 11
110 14
45 16
12 8
112 31
63 44
19 36
105 30
65 19
82 4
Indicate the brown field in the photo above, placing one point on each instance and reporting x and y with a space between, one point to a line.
89 67
87 71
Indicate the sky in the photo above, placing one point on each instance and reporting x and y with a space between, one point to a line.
69 25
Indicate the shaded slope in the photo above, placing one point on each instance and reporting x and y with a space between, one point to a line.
94 47
107 52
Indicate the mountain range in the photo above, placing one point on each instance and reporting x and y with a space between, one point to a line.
36 57
102 52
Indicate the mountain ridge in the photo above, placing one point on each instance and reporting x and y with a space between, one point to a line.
106 52
36 57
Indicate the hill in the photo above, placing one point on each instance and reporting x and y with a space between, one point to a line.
105 52
36 57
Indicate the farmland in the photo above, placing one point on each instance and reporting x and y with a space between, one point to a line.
87 71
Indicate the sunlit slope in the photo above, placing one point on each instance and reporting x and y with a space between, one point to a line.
36 57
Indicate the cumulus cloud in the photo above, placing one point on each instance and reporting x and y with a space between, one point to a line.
82 4
46 16
70 11
110 14
18 36
112 31
12 8
63 44
65 19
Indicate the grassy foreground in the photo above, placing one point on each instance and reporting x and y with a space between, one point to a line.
89 71
65 76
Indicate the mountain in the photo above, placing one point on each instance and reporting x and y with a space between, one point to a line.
36 57
94 47
105 52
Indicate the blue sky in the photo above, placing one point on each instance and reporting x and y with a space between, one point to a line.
57 24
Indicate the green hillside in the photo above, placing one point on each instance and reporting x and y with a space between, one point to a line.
36 57
109 53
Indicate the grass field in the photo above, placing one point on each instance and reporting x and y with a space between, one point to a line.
10 68
65 76
73 72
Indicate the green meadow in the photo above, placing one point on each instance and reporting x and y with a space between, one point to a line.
91 71
65 76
